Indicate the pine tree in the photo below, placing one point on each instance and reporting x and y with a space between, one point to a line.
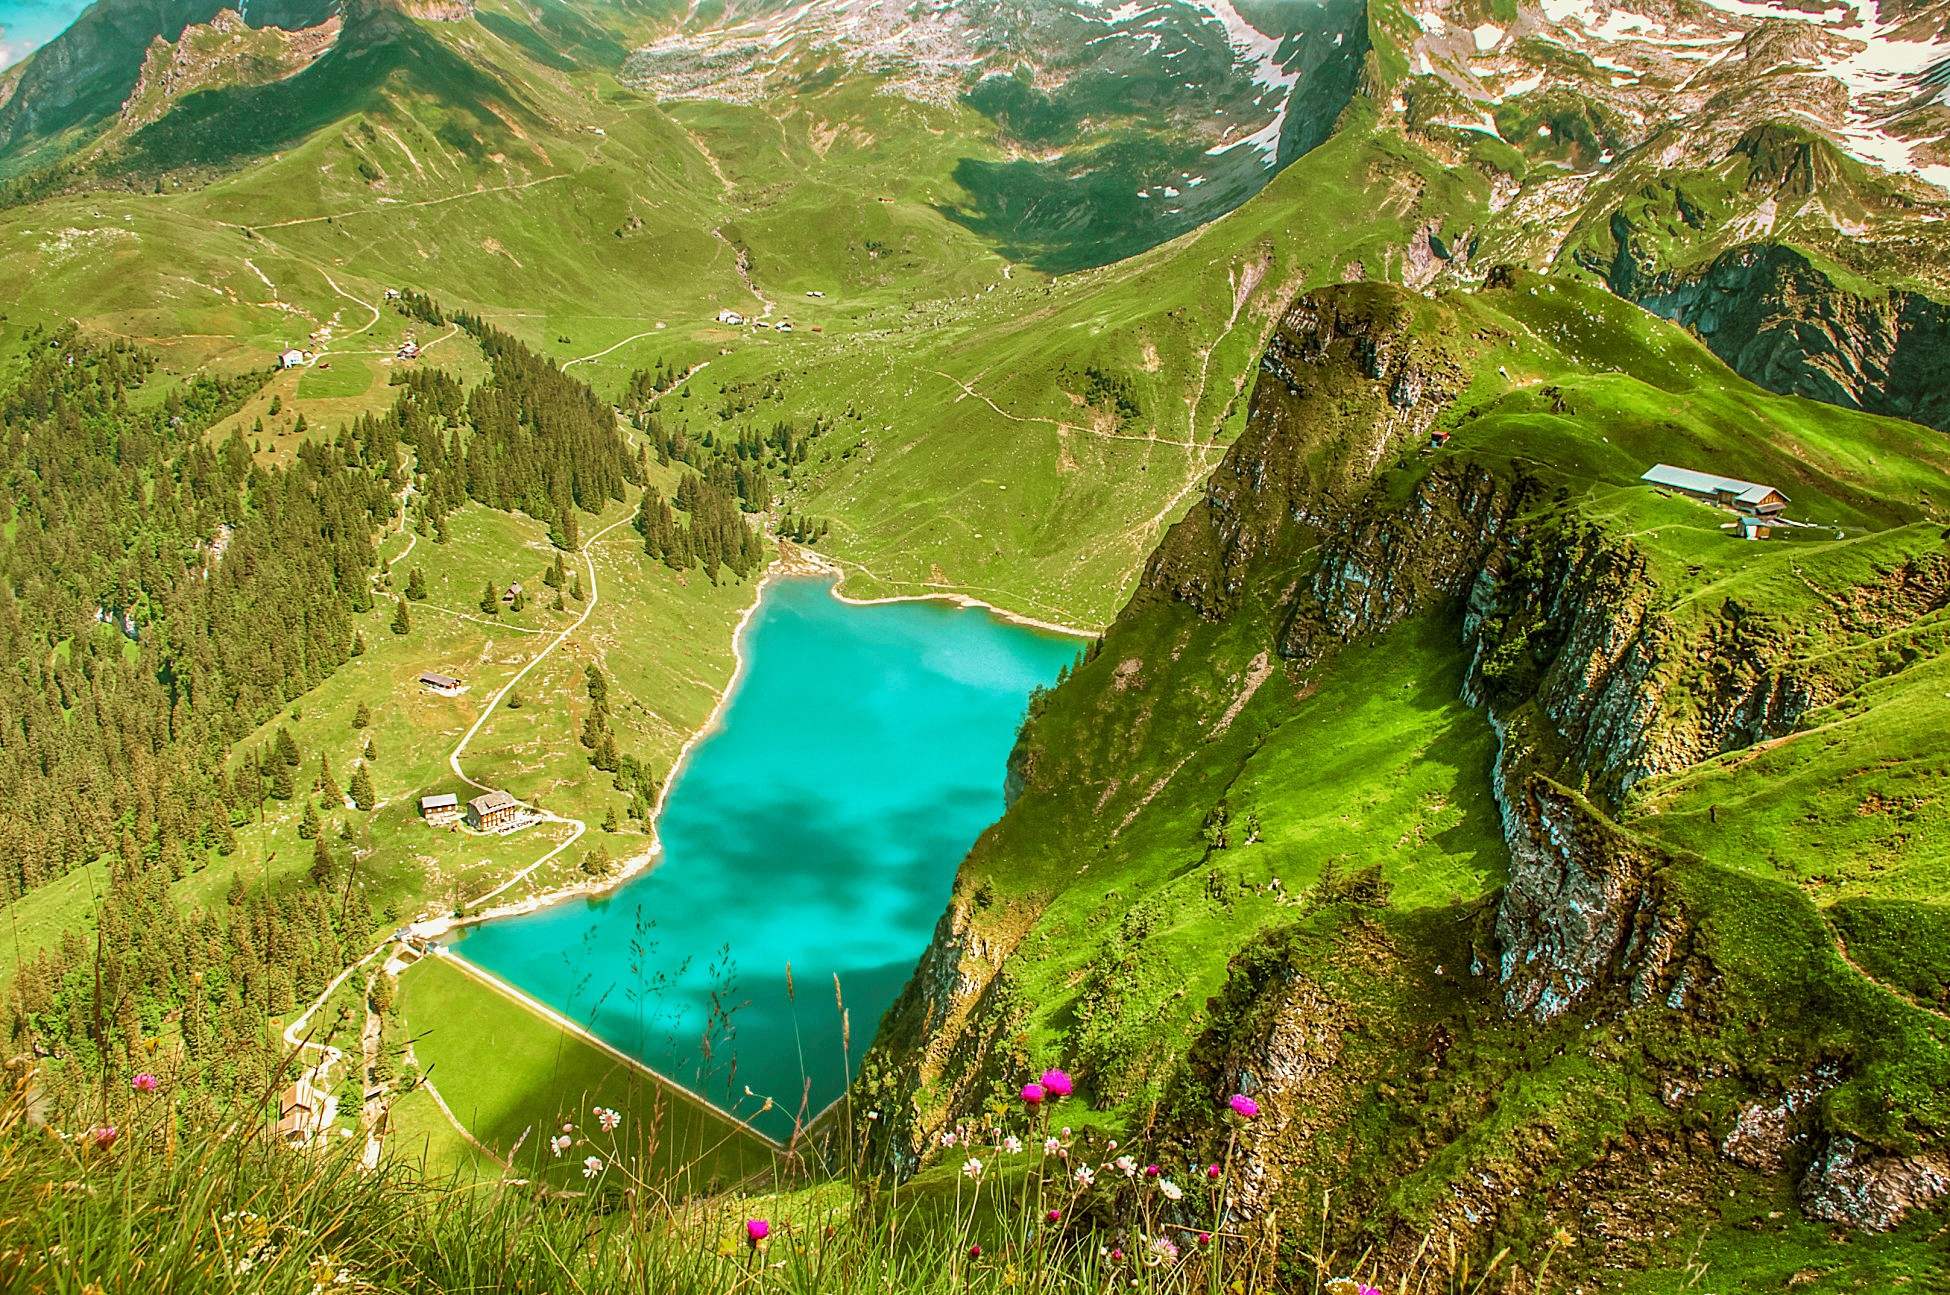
592 729
598 686
361 789
555 575
287 747
282 787
372 750
609 820
416 586
575 584
571 531
490 601
607 756
514 701
328 786
234 896
358 643
520 601
308 825
401 622
362 717
323 865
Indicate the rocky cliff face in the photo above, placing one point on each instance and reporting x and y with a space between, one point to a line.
1595 678
83 76
1782 323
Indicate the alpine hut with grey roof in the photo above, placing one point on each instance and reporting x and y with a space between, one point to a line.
1728 492
493 811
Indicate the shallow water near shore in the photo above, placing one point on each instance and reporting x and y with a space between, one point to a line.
817 827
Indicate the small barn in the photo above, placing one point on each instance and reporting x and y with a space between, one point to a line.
1728 492
293 358
492 811
445 685
443 808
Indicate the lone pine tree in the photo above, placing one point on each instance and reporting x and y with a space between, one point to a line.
361 788
402 623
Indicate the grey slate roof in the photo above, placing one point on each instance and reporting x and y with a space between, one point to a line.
1705 483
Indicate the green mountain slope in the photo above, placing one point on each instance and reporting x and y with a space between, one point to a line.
1420 793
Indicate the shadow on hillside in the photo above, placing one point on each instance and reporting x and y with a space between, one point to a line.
221 128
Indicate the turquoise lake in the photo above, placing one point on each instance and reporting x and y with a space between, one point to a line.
818 826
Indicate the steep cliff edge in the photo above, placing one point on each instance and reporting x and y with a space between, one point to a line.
1787 325
1248 850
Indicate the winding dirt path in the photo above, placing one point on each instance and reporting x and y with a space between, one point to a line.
1841 947
494 704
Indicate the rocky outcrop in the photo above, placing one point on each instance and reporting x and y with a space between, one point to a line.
1344 386
1582 908
1784 324
84 75
1862 1188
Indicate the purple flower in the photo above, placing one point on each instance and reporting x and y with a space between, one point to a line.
105 1137
1213 1172
1034 1094
1056 1083
1054 1215
1205 1238
1243 1106
974 1252
756 1230
1364 1289
1152 1171
144 1083
1117 1256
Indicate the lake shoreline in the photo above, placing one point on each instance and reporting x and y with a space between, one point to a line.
793 563
831 567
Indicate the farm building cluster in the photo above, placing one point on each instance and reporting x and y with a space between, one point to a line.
1759 506
492 811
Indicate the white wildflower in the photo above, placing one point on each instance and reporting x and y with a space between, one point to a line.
560 1144
972 1169
1085 1175
591 1167
1172 1191
608 1119
1051 1146
1127 1166
1012 1144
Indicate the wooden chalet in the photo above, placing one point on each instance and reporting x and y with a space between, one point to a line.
443 808
492 811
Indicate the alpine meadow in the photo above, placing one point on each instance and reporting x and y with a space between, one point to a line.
765 647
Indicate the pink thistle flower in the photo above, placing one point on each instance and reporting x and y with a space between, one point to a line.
1033 1094
1152 1171
756 1230
1057 1083
144 1083
1054 1215
1243 1106
105 1137
1213 1172
974 1252
1117 1256
1205 1238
